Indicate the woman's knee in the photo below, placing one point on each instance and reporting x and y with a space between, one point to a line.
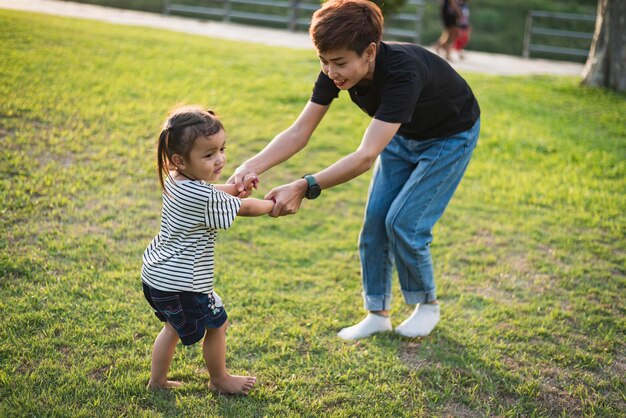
404 230
396 228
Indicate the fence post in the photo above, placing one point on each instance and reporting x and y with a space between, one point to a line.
166 7
293 15
419 14
527 31
227 9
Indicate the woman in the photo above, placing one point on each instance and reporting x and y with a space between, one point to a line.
425 124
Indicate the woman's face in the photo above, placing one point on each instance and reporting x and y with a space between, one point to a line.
346 68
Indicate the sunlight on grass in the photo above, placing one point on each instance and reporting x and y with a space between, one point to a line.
530 256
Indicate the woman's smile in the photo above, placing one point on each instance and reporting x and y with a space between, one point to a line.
346 68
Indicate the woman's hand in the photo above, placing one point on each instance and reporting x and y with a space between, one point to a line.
287 198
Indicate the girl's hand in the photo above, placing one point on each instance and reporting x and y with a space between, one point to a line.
287 198
250 182
238 179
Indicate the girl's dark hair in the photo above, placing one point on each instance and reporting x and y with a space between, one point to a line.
181 129
350 24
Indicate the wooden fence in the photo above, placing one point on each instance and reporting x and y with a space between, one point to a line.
291 14
551 32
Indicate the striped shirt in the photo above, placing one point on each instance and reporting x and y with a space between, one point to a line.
180 257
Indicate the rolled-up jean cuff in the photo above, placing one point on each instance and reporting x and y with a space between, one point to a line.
377 302
413 298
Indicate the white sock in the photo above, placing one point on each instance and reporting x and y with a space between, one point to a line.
370 325
421 322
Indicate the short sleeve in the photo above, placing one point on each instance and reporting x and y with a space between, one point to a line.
400 92
324 90
221 209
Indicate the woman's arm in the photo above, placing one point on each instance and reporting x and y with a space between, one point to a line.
283 146
255 207
378 134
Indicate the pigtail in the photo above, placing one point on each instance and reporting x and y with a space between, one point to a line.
162 159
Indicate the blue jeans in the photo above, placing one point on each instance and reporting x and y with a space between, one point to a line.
413 182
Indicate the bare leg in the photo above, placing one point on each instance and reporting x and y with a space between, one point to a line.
453 33
162 354
214 351
443 38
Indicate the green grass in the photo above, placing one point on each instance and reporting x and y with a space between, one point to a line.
530 256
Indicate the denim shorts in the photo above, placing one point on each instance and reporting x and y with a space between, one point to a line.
188 313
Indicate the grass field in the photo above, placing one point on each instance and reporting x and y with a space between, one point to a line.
530 256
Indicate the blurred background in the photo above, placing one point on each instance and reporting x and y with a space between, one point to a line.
559 29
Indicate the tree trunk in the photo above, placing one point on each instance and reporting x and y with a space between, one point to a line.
606 64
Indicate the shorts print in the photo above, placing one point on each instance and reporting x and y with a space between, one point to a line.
188 313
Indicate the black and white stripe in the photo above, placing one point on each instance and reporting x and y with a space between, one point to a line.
180 257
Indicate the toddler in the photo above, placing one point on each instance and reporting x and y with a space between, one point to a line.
177 271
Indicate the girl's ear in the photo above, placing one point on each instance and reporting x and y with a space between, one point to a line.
178 161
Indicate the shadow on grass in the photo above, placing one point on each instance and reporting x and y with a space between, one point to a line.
487 384
179 401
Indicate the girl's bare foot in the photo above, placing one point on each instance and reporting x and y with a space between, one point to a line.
168 384
232 385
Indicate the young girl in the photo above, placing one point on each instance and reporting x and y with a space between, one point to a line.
177 271
424 127
464 28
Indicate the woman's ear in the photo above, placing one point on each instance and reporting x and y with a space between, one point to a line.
178 161
371 51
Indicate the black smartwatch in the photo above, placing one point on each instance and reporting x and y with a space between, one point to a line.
313 190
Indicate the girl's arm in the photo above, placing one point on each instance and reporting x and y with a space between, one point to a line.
255 207
250 182
227 188
249 206
283 146
289 196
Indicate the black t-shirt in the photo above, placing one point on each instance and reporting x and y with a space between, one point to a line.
411 86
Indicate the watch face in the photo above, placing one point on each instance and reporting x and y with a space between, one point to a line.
314 189
313 192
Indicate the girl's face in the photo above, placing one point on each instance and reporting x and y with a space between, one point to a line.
346 68
206 159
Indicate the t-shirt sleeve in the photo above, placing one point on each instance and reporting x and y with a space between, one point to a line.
324 90
221 209
400 92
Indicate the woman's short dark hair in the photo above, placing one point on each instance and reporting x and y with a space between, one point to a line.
350 24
